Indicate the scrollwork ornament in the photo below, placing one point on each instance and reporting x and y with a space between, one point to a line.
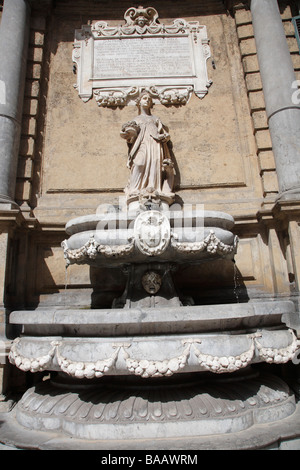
111 99
140 23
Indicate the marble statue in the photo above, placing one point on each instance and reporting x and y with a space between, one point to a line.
149 159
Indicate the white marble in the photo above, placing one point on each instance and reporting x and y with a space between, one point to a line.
116 62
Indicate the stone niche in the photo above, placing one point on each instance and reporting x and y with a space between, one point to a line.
212 137
83 158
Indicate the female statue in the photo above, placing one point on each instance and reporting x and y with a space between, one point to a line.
148 156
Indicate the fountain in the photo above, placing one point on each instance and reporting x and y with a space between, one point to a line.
155 367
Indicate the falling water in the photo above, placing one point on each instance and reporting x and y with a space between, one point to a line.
67 279
236 282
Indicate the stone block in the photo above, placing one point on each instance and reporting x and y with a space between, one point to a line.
266 160
289 28
33 71
36 38
256 99
27 146
32 88
29 126
260 120
293 44
243 17
253 81
30 106
296 60
248 47
23 190
24 168
263 139
245 31
250 64
286 13
35 54
270 181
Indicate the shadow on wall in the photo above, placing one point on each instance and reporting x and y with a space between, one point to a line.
211 282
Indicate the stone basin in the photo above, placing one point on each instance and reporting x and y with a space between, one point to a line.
131 237
154 343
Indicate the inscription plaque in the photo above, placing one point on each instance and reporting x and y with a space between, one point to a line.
115 63
137 57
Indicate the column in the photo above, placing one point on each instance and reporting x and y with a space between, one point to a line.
14 36
278 77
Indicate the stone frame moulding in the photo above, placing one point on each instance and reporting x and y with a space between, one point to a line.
116 63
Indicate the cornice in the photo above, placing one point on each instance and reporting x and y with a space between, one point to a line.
232 5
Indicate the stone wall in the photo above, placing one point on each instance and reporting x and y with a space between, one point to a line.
255 93
72 160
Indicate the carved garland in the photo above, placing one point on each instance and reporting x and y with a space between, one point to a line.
154 368
278 355
87 370
151 368
211 244
222 364
92 249
34 364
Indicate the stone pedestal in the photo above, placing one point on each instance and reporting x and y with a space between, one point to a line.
183 408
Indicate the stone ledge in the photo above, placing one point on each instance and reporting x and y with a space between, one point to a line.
279 435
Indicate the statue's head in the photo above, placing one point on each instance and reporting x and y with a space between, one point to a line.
145 100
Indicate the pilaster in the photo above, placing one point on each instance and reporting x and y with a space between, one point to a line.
10 220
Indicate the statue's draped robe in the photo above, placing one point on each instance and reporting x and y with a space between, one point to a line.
146 155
